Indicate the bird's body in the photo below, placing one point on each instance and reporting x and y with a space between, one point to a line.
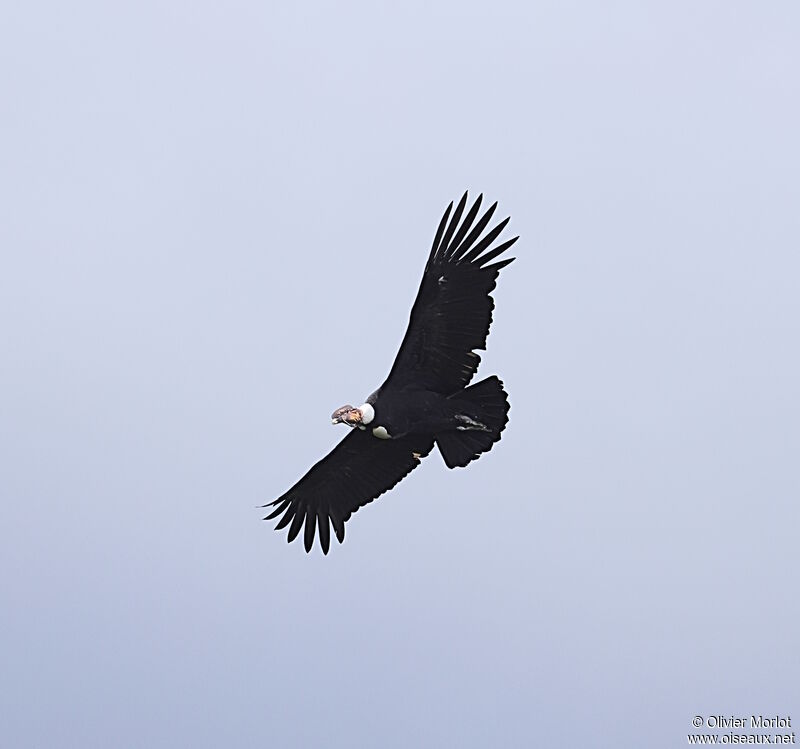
426 399
409 411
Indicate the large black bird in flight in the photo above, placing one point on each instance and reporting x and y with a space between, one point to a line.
426 398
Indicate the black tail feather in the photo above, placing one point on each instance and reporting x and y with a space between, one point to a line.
484 402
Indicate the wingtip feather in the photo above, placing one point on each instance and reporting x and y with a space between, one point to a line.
324 532
457 254
451 226
456 242
440 230
308 534
486 241
487 257
277 511
286 519
297 523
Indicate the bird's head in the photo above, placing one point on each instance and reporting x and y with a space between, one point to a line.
346 415
353 417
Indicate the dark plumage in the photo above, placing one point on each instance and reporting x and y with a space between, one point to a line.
425 398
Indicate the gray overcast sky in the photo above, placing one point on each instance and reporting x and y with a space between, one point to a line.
214 221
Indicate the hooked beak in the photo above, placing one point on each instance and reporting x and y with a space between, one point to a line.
346 415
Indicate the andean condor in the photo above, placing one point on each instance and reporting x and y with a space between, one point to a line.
426 398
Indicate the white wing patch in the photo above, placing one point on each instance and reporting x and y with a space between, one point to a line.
381 433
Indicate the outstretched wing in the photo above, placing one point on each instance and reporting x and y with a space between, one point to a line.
359 469
453 309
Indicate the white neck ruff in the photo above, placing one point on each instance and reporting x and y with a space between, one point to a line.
367 413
